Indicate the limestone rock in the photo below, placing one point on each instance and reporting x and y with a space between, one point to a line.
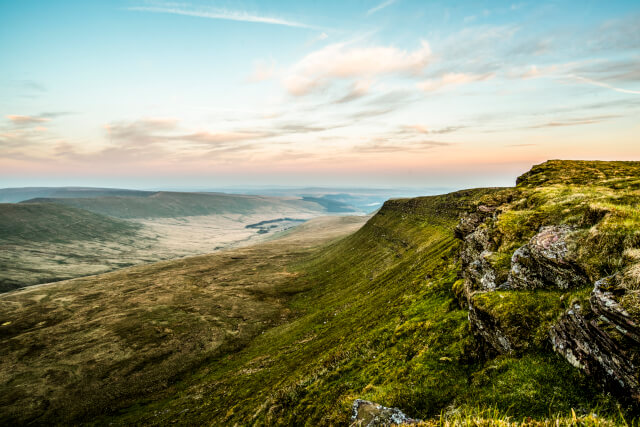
369 414
546 262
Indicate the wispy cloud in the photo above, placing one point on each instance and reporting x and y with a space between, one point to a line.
161 130
262 70
604 85
224 14
381 6
26 120
358 90
575 121
453 80
383 145
425 130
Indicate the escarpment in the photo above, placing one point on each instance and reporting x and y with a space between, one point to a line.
554 266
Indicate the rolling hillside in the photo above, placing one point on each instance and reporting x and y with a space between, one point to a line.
71 350
51 239
441 306
50 222
171 205
44 242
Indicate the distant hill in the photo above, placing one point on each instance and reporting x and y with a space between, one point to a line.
51 222
15 195
173 204
46 242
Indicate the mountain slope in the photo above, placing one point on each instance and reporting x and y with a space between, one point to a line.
438 305
380 321
73 350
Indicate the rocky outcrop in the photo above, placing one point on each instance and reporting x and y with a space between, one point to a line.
603 340
477 249
369 414
604 303
485 328
479 275
546 262
478 271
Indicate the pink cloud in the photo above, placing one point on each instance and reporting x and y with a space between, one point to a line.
339 61
15 118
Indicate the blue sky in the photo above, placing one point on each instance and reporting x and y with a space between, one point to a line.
412 93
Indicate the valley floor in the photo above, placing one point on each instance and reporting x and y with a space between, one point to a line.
24 263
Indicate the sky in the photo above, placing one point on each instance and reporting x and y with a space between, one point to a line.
378 93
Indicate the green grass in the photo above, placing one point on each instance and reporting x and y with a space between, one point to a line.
74 350
380 321
377 315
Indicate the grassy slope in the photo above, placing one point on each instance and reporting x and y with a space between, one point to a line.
380 321
372 316
75 349
169 204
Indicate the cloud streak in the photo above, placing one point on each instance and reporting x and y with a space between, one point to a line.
379 7
604 85
222 14
382 146
26 120
575 122
453 80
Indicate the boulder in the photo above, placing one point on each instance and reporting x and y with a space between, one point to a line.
546 262
369 414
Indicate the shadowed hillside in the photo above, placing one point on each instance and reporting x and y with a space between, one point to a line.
42 242
40 222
